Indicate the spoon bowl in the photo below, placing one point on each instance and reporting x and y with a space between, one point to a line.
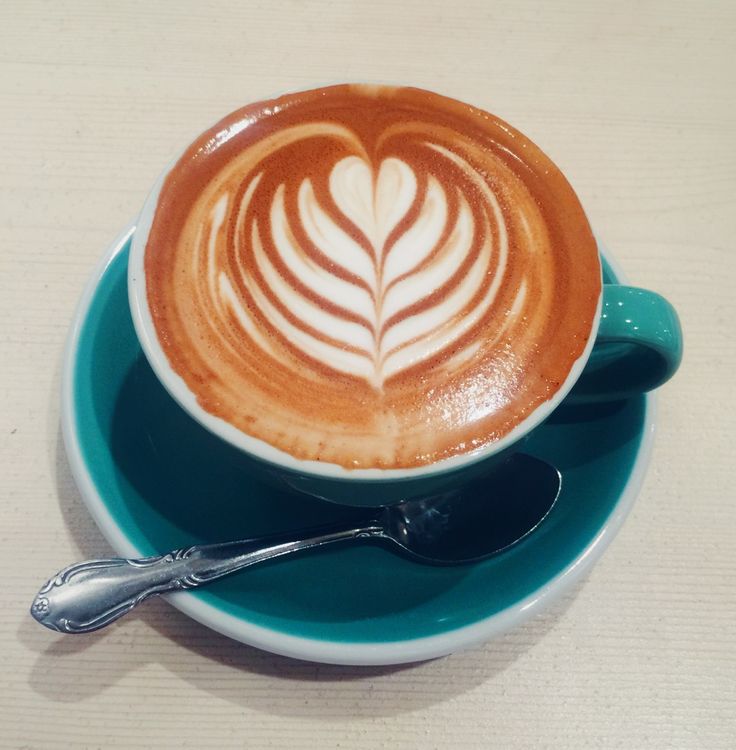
478 520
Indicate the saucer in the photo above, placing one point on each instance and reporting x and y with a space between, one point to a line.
154 480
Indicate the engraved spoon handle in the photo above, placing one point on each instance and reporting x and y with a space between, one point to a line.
89 595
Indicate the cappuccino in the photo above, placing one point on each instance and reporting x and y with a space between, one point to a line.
370 276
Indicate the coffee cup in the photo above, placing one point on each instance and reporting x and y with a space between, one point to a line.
378 293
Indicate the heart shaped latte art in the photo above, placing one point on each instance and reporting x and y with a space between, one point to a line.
370 277
381 287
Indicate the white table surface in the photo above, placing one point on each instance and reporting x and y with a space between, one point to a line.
636 101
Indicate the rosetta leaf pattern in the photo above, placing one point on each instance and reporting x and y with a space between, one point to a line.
411 279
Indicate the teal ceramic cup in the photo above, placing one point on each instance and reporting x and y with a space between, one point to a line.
635 345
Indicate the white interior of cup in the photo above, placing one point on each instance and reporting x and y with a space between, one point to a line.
178 389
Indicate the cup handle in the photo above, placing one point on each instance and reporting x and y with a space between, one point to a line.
638 346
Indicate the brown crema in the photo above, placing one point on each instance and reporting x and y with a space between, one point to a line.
370 276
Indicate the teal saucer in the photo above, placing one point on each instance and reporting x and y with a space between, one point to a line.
154 479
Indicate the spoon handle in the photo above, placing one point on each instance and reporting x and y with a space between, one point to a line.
89 595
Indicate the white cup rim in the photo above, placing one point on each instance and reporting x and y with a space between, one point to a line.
178 389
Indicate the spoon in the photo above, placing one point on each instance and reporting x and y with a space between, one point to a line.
459 526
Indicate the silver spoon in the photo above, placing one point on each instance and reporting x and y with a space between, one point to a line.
456 527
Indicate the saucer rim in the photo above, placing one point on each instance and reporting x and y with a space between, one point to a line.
357 653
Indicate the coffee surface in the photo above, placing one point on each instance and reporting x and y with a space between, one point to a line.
370 276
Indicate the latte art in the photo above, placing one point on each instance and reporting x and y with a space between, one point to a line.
381 280
368 276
